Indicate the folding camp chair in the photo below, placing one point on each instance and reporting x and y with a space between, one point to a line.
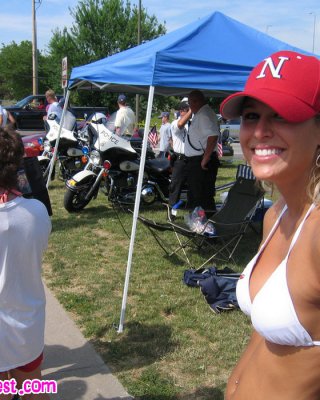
231 222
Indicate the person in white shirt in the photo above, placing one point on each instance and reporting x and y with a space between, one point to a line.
24 230
179 128
125 118
6 117
3 117
54 107
165 134
201 153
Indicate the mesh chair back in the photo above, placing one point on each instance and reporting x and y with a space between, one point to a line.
245 171
242 200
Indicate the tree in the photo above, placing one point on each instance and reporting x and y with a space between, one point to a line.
62 44
106 27
16 70
101 28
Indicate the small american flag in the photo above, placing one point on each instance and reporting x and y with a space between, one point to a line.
153 137
220 147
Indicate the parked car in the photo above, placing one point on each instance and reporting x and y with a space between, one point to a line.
33 144
29 112
232 125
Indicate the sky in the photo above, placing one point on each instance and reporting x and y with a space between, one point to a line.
295 22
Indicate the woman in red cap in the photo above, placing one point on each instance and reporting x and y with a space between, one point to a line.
280 288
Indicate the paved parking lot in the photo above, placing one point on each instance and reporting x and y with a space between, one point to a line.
237 151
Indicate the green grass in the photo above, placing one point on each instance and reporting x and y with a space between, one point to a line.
173 346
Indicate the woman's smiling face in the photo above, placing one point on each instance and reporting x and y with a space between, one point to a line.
277 150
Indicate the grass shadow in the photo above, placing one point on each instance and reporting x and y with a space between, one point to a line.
200 394
138 346
85 218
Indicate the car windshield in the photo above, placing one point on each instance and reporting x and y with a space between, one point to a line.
23 102
233 121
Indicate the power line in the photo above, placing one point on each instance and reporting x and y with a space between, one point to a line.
39 2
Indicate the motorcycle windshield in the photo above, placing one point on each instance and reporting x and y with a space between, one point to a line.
69 121
111 121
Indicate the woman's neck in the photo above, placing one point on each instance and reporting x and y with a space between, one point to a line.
8 195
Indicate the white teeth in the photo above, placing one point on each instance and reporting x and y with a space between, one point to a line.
267 152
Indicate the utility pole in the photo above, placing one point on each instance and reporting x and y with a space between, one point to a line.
34 51
139 41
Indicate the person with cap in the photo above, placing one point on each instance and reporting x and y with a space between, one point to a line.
165 134
179 128
200 148
125 118
280 287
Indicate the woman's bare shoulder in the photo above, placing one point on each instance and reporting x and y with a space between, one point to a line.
314 235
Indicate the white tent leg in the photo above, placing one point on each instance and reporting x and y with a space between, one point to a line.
136 206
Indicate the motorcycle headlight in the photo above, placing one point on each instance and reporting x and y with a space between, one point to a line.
85 150
47 146
95 157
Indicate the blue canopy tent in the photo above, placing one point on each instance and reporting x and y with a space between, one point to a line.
215 54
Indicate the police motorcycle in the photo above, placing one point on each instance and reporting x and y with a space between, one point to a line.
226 141
113 165
227 148
71 155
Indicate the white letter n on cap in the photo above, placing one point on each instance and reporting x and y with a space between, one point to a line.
275 70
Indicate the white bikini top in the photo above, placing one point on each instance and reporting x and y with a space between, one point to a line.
272 311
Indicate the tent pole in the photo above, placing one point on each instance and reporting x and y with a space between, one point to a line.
136 207
52 161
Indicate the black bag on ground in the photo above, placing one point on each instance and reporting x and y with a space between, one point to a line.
35 187
192 277
217 286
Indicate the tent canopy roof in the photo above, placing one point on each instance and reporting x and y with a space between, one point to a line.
215 54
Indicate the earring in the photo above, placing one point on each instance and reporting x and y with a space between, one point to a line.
318 161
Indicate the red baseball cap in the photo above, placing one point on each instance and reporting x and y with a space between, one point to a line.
287 81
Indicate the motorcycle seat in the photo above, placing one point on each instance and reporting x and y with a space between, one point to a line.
158 164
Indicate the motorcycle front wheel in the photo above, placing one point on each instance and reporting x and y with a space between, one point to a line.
76 201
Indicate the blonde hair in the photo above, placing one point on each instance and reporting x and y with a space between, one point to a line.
313 187
50 93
